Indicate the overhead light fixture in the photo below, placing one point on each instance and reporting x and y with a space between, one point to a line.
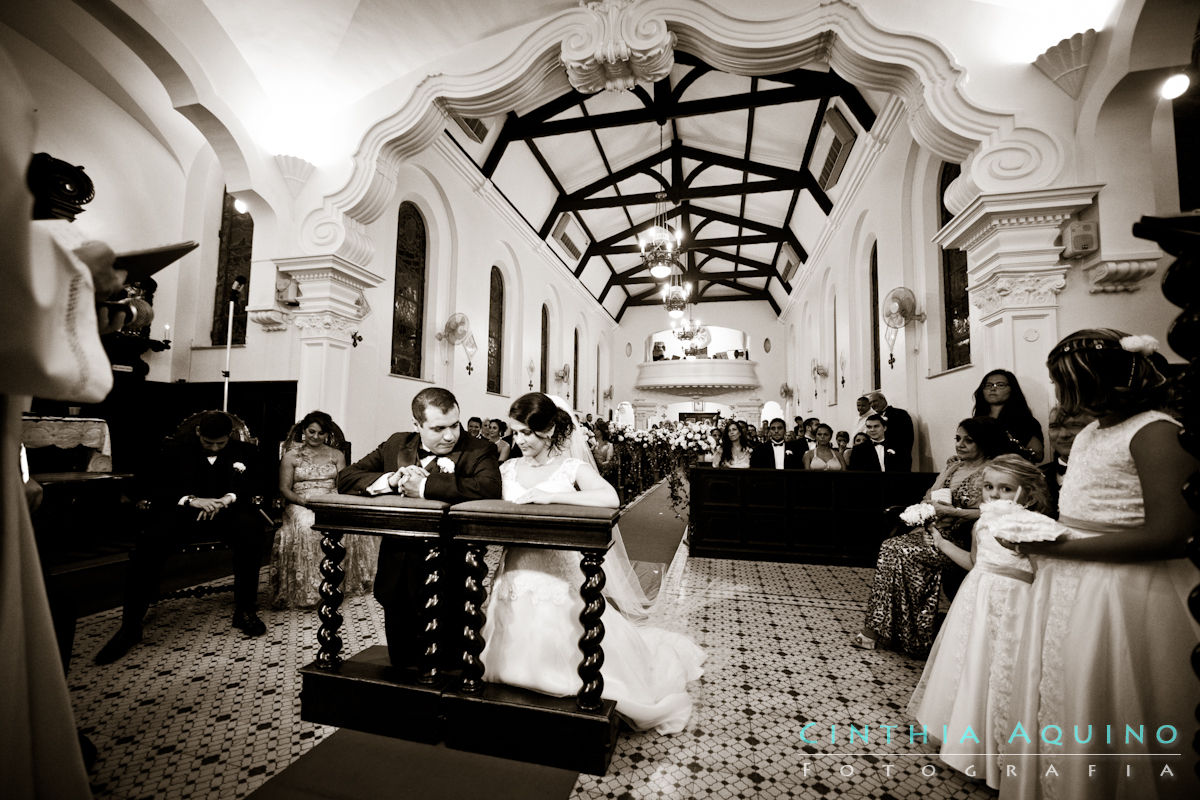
675 295
660 243
1175 86
686 329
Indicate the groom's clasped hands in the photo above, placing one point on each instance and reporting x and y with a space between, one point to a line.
408 480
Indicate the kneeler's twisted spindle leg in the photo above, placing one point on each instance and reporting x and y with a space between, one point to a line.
330 654
593 630
430 611
473 597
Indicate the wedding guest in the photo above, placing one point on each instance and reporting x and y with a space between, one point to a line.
775 453
999 396
810 431
823 456
203 488
876 454
1108 634
494 430
899 429
1061 431
475 428
908 573
843 443
863 406
736 446
859 438
603 450
752 438
309 467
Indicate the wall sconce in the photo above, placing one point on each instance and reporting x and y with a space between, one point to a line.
819 370
355 339
608 393
842 369
530 368
786 392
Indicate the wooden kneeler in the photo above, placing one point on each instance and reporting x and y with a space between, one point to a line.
427 705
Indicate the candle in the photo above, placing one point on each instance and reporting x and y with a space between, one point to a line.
166 333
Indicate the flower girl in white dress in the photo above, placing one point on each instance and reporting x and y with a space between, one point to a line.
967 680
1105 656
532 629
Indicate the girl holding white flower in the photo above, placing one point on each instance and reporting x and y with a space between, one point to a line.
1108 637
967 682
908 573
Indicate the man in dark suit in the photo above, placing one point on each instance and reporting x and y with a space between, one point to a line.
899 430
775 453
202 489
877 453
436 462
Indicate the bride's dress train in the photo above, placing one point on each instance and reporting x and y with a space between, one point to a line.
531 635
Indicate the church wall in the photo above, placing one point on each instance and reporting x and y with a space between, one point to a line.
467 237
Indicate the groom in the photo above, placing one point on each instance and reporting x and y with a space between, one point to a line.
437 462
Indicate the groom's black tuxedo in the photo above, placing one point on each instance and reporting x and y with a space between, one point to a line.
865 457
401 573
764 455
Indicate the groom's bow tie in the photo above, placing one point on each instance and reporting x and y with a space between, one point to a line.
423 454
778 444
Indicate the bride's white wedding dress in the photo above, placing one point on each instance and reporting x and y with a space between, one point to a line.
531 636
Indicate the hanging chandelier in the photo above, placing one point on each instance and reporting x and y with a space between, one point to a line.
659 244
676 294
686 329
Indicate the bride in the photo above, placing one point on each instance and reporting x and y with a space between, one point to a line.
532 629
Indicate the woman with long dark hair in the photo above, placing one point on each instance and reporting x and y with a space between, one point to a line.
735 445
532 630
999 396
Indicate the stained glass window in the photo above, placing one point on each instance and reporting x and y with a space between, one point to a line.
575 371
408 306
233 262
954 283
544 385
876 351
495 331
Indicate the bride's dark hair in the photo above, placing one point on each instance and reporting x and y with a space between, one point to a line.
540 414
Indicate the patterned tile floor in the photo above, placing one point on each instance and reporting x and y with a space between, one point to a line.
198 711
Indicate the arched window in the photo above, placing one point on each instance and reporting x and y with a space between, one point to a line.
408 305
233 261
954 283
495 331
876 355
544 384
575 370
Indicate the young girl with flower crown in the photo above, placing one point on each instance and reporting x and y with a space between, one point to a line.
963 693
1103 688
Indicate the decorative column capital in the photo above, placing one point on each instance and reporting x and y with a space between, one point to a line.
330 284
1006 291
1121 274
326 325
615 45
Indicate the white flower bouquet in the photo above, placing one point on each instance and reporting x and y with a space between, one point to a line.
918 514
445 465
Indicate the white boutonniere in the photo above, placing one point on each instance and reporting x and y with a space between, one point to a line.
445 465
1143 344
891 451
239 467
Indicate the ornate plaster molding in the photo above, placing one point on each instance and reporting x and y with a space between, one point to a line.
271 319
326 324
1001 292
295 171
330 284
1118 275
1066 63
617 46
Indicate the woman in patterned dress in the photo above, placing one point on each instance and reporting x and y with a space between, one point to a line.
308 468
908 574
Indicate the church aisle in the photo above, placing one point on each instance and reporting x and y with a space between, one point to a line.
197 712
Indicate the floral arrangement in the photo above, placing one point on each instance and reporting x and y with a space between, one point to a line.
647 455
918 514
1143 344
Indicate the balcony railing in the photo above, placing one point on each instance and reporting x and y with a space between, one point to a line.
697 377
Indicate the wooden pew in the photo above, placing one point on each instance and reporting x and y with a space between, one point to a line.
364 692
796 515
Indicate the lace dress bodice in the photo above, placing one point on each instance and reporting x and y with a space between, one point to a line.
313 475
1102 484
561 480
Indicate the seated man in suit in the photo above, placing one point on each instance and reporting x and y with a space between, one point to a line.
202 489
776 453
899 430
436 462
1062 430
876 454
